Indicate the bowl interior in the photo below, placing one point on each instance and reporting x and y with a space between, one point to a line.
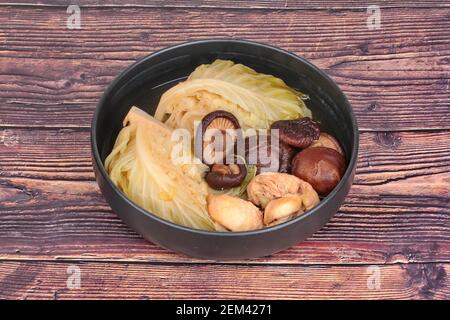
143 84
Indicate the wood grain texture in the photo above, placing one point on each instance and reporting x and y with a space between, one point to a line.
240 4
398 209
42 280
396 217
397 78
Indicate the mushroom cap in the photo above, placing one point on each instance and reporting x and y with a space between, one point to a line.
224 176
217 129
298 133
259 150
322 167
328 141
234 214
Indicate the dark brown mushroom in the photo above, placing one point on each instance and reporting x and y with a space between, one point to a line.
216 123
322 167
262 144
286 154
222 176
298 133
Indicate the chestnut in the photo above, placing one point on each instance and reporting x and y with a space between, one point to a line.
222 176
216 122
298 133
328 141
322 167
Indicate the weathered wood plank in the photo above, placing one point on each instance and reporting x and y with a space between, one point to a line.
241 4
39 280
397 211
397 78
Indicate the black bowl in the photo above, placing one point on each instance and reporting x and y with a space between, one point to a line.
142 85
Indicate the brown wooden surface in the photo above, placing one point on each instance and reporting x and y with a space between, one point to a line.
53 76
396 217
30 280
51 202
240 4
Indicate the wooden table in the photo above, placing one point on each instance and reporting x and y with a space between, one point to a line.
391 239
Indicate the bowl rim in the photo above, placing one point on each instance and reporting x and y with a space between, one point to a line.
109 90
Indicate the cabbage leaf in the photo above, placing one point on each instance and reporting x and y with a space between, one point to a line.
256 99
140 165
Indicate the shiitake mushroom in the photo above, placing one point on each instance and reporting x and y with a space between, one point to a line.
222 176
218 122
257 144
322 167
286 155
298 133
321 162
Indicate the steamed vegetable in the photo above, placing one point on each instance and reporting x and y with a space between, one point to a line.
256 99
222 96
140 164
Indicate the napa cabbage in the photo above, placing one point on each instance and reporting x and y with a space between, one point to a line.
256 99
141 166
